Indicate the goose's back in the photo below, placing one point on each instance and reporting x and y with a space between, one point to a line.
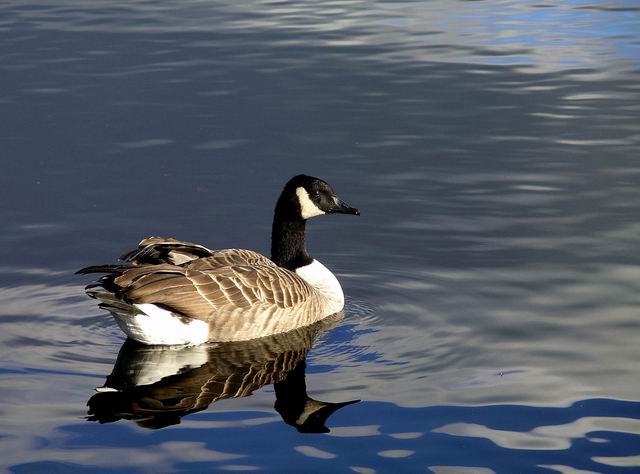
158 250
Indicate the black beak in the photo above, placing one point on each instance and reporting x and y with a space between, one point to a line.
342 208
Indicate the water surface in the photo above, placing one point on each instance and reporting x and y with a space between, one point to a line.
492 279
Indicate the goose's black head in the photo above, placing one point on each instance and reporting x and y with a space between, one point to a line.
304 197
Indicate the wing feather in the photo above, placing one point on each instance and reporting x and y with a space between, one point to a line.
231 258
155 250
158 250
200 289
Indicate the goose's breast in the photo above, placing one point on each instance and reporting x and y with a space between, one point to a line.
325 282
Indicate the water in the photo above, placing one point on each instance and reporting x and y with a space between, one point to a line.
492 279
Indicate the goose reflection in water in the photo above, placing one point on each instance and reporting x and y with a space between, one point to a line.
155 386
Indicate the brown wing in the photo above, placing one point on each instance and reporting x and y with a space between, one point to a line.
158 250
231 257
200 289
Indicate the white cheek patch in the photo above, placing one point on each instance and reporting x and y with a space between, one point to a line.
307 207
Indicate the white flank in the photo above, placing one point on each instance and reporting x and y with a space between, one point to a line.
319 276
307 207
159 326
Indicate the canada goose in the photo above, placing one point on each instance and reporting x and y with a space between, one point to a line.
174 292
155 386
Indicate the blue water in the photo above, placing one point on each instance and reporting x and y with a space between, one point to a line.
492 279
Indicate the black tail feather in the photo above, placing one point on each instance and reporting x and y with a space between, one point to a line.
101 269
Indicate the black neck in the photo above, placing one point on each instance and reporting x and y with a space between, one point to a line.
288 248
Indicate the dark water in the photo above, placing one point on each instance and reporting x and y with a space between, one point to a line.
493 278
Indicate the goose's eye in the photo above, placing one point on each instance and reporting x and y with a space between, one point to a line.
316 194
